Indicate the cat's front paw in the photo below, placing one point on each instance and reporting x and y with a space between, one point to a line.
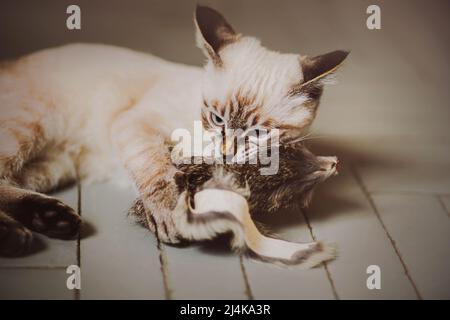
48 216
165 228
161 224
15 239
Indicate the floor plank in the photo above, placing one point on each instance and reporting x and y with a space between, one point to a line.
415 165
205 271
393 164
340 213
268 281
421 230
421 167
119 259
24 283
47 252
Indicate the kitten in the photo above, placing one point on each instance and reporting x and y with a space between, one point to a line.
299 173
90 111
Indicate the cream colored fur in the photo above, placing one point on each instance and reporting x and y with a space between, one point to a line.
251 70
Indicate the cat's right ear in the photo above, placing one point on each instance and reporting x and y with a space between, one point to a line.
213 32
317 69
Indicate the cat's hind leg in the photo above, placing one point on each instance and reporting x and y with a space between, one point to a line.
53 169
15 239
21 139
39 212
30 162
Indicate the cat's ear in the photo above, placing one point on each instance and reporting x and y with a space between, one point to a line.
213 32
317 69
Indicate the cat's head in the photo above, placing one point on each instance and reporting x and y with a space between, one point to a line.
246 86
299 173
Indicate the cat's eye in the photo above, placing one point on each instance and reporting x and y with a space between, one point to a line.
217 120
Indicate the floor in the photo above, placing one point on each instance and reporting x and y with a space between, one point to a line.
387 120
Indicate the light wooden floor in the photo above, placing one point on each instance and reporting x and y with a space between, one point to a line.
387 120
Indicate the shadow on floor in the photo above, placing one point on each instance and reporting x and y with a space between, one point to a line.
39 244
333 196
360 152
219 246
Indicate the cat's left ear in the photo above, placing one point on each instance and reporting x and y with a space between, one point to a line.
213 32
317 69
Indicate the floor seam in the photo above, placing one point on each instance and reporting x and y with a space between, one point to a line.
248 289
406 193
77 292
35 267
325 265
380 220
164 271
162 259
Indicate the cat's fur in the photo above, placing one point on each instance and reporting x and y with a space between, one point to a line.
87 111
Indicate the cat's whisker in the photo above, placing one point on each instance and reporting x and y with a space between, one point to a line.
305 138
301 138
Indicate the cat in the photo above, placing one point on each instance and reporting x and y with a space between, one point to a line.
300 171
92 112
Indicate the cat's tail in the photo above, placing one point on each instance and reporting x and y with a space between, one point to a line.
195 225
223 209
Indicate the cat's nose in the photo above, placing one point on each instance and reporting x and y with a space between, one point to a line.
227 148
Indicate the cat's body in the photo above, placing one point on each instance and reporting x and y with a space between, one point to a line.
77 92
94 110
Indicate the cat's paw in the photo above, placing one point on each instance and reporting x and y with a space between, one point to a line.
49 216
168 233
163 226
15 239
